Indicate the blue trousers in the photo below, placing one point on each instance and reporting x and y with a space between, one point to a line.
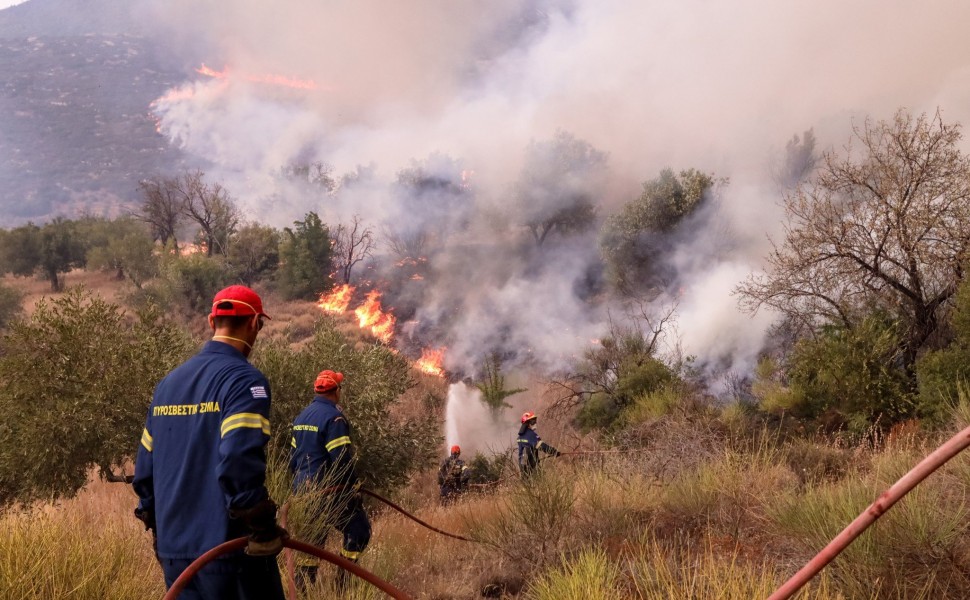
239 577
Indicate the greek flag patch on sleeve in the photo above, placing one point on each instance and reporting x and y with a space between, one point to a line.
258 391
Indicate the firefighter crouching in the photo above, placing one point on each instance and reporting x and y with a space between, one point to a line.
322 456
530 444
453 476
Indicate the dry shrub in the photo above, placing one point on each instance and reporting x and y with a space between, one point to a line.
673 444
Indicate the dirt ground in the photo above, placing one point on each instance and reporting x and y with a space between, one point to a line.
102 284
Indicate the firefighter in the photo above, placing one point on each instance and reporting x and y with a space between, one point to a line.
530 444
452 476
322 455
200 471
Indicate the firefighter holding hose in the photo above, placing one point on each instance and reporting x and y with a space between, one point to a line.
530 444
201 467
322 461
453 476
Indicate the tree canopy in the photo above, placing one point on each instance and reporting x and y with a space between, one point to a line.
884 226
306 255
558 186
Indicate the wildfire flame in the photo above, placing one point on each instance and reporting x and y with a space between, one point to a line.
431 361
370 315
338 300
280 80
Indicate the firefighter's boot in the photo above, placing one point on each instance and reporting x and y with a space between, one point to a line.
344 577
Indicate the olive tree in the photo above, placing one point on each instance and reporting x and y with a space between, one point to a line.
883 226
557 189
633 240
78 377
306 255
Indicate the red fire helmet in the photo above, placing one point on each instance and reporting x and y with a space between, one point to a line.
455 450
528 416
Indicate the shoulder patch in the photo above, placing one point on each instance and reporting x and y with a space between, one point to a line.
258 391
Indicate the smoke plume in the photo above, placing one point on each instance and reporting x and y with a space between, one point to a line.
465 87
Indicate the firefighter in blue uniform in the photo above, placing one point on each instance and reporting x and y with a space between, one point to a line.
322 455
201 467
530 444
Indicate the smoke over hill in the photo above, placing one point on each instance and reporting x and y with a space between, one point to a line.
460 90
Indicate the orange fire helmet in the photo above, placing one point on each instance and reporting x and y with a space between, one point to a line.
455 450
529 416
327 381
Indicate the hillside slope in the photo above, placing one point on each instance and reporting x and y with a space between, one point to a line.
76 82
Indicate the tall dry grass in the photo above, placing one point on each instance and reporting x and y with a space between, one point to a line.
89 547
725 522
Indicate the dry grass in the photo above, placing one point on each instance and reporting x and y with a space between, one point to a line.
89 547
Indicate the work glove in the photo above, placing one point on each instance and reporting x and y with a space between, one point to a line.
557 454
266 537
147 516
267 543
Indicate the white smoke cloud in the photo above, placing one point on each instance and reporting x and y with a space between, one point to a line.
711 85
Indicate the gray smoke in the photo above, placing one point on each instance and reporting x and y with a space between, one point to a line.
715 86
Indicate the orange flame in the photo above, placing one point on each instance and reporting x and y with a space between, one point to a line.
204 70
280 80
431 361
369 314
338 300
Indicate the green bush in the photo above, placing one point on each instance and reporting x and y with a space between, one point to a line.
851 377
11 304
941 373
78 378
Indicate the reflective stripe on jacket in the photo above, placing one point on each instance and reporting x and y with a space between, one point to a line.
202 451
320 447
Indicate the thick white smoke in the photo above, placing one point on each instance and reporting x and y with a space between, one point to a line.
718 86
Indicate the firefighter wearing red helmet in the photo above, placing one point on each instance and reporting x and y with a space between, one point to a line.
322 456
530 444
200 472
452 476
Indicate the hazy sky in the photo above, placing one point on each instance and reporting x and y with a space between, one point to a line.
6 3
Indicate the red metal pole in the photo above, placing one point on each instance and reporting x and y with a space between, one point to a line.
907 482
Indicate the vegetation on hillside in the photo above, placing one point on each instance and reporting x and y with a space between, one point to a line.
679 495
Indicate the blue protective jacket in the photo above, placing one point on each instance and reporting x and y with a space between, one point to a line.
529 446
321 450
202 451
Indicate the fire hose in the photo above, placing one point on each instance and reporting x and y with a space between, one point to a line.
240 543
290 567
883 503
